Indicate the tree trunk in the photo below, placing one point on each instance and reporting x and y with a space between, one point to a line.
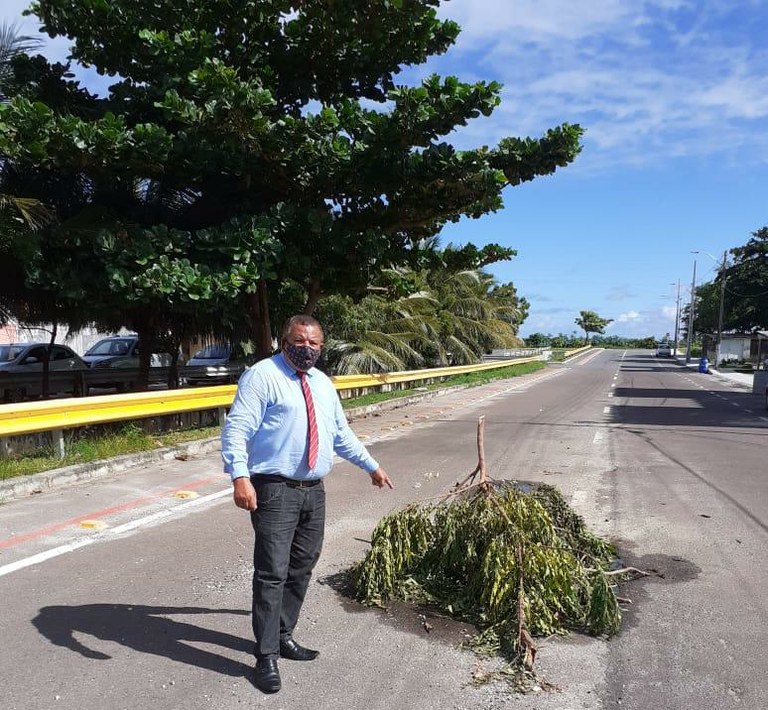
173 372
259 303
146 344
46 389
313 296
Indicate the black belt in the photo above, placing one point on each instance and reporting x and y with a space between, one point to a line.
292 482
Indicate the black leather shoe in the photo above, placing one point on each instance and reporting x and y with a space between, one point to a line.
290 649
267 675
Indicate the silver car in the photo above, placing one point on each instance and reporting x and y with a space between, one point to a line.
21 370
121 351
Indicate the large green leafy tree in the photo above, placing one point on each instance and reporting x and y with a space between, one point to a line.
277 114
746 286
744 293
591 322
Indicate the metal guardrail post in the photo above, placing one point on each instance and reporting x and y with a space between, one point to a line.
5 447
221 412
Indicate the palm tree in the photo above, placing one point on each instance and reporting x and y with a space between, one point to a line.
450 318
12 44
16 211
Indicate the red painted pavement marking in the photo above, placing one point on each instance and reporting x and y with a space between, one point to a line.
42 532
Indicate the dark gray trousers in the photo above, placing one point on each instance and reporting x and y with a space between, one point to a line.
288 524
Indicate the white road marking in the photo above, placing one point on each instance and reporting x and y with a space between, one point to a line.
598 437
105 535
606 410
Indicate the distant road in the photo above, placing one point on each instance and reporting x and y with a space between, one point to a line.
152 610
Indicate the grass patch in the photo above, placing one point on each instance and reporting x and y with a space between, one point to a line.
470 379
129 439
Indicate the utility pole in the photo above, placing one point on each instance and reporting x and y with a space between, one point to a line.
677 320
691 311
720 314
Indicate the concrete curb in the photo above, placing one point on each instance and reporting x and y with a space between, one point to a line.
46 480
391 404
725 378
693 367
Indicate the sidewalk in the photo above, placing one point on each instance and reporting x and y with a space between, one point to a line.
742 380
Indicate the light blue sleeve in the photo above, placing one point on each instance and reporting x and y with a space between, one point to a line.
347 445
243 421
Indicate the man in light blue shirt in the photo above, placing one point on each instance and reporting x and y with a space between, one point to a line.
278 444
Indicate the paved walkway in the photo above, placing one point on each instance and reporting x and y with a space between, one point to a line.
742 379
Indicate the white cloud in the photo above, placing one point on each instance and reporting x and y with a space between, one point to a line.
629 317
649 79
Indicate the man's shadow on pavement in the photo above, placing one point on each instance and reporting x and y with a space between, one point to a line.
145 629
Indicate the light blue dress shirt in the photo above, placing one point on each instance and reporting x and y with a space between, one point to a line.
266 429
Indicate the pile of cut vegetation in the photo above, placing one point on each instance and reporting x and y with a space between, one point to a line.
515 561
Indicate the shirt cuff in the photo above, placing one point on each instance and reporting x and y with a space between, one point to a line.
238 470
370 465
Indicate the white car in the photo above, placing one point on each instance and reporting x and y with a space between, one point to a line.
664 350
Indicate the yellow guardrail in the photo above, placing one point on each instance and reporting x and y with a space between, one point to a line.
351 382
576 351
59 414
30 417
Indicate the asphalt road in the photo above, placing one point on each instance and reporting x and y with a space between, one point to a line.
134 591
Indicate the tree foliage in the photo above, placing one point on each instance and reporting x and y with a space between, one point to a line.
745 291
246 147
433 317
590 322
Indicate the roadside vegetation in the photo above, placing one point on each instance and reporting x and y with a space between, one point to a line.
94 446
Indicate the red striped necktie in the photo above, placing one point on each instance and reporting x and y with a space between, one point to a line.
311 421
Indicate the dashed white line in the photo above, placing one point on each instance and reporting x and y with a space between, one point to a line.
606 410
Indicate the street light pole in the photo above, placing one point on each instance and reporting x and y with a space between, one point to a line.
690 315
720 314
677 319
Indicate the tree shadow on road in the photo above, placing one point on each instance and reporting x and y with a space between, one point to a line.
687 408
146 629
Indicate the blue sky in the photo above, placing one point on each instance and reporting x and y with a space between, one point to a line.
674 97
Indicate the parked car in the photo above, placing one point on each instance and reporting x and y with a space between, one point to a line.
21 370
664 350
117 357
214 364
121 351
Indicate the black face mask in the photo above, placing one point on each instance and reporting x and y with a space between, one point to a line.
302 357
